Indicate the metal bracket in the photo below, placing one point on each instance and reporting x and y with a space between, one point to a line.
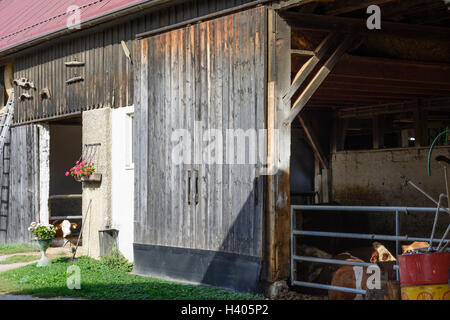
74 63
75 79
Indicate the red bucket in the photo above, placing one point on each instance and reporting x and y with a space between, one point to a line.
425 276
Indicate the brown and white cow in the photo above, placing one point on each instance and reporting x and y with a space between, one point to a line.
356 276
64 228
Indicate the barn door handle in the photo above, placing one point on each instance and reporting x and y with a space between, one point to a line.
196 186
189 187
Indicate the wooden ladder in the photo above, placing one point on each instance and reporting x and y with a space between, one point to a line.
5 124
6 120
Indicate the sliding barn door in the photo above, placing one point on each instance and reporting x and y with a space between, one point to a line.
165 110
230 101
23 186
206 79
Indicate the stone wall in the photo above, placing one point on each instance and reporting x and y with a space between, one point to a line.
373 178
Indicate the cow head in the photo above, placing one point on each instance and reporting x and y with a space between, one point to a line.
381 253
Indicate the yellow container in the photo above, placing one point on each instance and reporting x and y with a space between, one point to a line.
426 292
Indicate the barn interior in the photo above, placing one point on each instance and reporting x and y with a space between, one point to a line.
370 120
65 194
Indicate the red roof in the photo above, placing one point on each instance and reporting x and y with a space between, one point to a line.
25 20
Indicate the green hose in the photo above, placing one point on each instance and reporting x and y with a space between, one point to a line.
432 147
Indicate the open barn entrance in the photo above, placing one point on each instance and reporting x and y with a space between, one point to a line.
65 194
366 106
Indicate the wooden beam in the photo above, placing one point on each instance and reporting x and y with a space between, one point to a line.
312 140
286 4
276 240
318 79
379 88
340 7
358 26
395 70
378 131
420 124
309 66
302 52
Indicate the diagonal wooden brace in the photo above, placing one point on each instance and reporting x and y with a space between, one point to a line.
314 143
309 66
321 75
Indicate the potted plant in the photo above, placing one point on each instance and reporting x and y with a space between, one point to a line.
84 171
44 235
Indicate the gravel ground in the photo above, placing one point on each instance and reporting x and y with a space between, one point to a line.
51 254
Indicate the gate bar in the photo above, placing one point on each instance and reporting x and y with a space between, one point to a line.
359 236
328 287
366 209
334 261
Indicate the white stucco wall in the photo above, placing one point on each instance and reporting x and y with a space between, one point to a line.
97 196
44 172
123 180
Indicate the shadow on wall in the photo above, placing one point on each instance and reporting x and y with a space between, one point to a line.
240 272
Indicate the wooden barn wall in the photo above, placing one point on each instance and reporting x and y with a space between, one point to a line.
212 72
4 185
20 184
107 72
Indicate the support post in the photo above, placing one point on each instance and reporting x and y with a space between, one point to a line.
276 251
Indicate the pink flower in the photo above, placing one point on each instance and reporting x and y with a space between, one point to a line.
77 162
67 173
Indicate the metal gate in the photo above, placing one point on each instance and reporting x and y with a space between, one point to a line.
360 209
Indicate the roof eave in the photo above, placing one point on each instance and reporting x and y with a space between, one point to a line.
109 16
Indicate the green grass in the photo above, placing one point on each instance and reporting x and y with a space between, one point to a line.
19 258
100 280
16 248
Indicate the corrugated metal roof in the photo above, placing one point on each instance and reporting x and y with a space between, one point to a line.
25 20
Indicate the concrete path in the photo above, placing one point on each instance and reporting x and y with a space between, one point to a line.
6 267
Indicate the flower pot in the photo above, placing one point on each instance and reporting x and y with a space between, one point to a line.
95 177
42 245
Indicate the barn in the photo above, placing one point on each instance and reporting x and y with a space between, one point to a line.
225 133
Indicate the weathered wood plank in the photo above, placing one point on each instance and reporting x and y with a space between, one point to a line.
24 183
212 72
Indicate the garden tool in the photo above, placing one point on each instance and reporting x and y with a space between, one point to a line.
439 249
74 250
445 161
441 196
408 181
